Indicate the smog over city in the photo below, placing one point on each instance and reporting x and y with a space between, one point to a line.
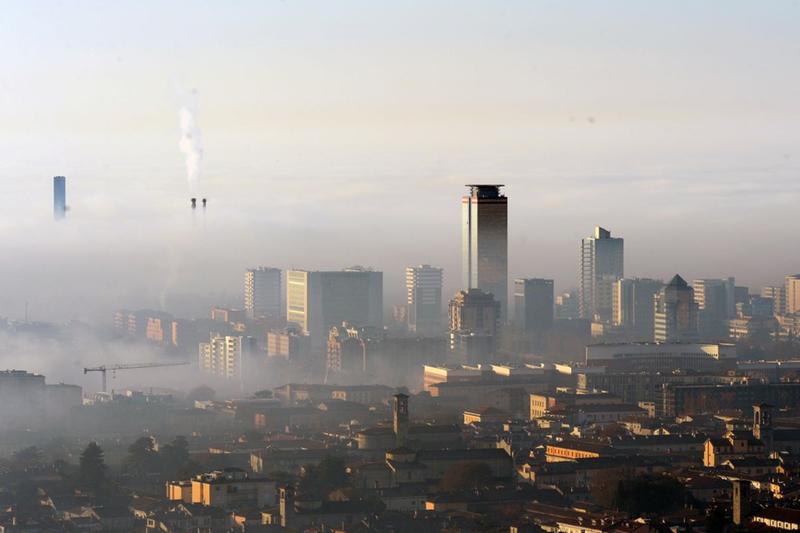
399 266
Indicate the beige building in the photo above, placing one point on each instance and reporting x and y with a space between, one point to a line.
793 294
542 403
229 488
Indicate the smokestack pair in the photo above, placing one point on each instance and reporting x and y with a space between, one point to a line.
194 202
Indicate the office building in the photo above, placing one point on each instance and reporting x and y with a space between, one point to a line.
602 264
632 306
424 300
792 294
225 355
474 325
533 305
716 303
484 225
676 317
317 301
778 296
59 197
262 292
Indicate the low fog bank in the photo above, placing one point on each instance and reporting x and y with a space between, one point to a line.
130 239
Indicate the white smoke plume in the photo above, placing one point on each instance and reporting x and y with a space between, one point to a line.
191 143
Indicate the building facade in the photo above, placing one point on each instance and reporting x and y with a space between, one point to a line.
317 301
632 306
484 225
424 299
225 355
675 317
59 197
792 294
602 264
716 303
778 296
474 325
533 305
262 292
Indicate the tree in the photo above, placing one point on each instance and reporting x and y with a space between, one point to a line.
467 475
175 457
266 393
203 393
93 467
142 456
321 479
611 431
604 486
27 459
716 520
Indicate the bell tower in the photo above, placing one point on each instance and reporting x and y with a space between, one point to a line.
400 418
762 425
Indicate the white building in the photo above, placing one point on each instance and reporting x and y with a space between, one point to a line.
602 264
223 355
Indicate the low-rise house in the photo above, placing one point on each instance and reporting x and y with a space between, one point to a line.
227 489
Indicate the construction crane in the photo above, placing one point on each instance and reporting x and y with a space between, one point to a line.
113 368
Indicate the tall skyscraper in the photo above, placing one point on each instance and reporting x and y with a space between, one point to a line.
533 305
316 301
474 326
792 294
424 299
632 306
484 225
675 317
602 264
59 197
262 292
716 303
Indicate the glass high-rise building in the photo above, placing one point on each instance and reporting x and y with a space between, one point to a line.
262 292
484 225
602 264
316 301
632 306
533 305
424 299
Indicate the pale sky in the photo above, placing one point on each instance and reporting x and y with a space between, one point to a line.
340 132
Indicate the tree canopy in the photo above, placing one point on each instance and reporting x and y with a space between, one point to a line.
93 468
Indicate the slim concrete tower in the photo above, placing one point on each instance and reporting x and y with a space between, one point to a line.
59 197
424 299
602 264
484 227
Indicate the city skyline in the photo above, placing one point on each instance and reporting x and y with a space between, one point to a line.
644 152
